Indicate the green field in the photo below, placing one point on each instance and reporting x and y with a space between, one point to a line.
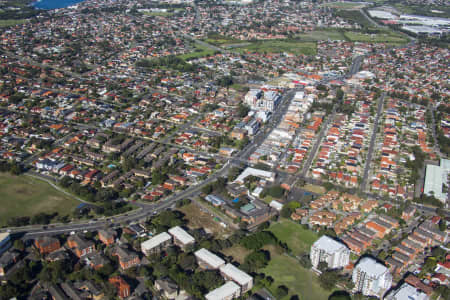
200 51
354 16
287 271
278 46
314 188
382 37
322 35
298 239
218 39
11 22
158 14
27 196
345 5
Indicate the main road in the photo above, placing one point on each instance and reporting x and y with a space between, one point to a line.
147 210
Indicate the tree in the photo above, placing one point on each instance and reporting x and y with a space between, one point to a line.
305 261
328 279
19 245
289 208
442 226
257 240
225 81
256 260
282 291
275 191
242 110
340 295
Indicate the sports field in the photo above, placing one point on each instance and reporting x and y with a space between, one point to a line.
27 196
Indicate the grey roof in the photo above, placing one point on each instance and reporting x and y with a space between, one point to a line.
382 223
405 249
367 231
400 257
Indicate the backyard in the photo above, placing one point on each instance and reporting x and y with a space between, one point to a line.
27 196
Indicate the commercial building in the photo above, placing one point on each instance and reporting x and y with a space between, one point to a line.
334 253
371 278
208 260
181 237
231 272
436 180
156 244
228 291
266 175
5 242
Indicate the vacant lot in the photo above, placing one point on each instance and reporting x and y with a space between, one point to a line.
197 218
278 46
287 271
27 196
298 239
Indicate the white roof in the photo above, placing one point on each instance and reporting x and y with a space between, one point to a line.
181 235
209 258
257 173
328 244
156 241
224 292
407 292
371 267
275 204
3 235
237 275
435 177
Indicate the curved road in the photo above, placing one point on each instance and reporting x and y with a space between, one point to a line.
147 210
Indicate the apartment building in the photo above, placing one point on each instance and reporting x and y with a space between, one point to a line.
334 253
371 278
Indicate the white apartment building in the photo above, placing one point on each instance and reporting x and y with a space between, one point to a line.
334 253
228 291
371 278
259 101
